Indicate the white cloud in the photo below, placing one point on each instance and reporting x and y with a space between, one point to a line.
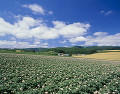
14 44
44 32
99 39
40 44
35 8
102 11
32 28
100 33
20 29
106 13
73 44
65 46
76 39
18 16
71 30
63 41
13 38
50 12
105 40
5 27
37 42
45 44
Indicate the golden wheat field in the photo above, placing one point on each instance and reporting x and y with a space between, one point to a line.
106 55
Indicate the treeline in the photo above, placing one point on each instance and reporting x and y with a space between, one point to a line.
104 47
34 49
24 49
67 50
81 49
73 50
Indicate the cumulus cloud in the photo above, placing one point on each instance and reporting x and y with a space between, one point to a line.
44 32
63 41
60 29
100 33
50 12
99 39
71 30
76 39
37 42
35 8
40 44
32 28
5 27
105 40
20 29
18 16
106 13
102 11
14 44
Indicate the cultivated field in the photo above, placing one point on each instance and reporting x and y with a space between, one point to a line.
33 74
106 54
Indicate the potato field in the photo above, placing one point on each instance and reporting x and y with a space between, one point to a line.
37 74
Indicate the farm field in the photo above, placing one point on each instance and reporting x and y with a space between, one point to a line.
37 74
31 53
106 55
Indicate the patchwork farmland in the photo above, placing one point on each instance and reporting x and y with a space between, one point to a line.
33 74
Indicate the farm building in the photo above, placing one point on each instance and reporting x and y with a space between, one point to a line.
61 54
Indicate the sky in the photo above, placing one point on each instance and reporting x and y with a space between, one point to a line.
59 23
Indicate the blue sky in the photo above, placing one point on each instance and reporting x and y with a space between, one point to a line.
55 23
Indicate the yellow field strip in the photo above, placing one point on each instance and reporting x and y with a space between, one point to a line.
107 56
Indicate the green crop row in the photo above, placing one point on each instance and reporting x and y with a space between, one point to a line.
35 74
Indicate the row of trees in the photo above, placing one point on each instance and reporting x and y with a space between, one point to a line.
105 47
68 50
73 50
81 49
